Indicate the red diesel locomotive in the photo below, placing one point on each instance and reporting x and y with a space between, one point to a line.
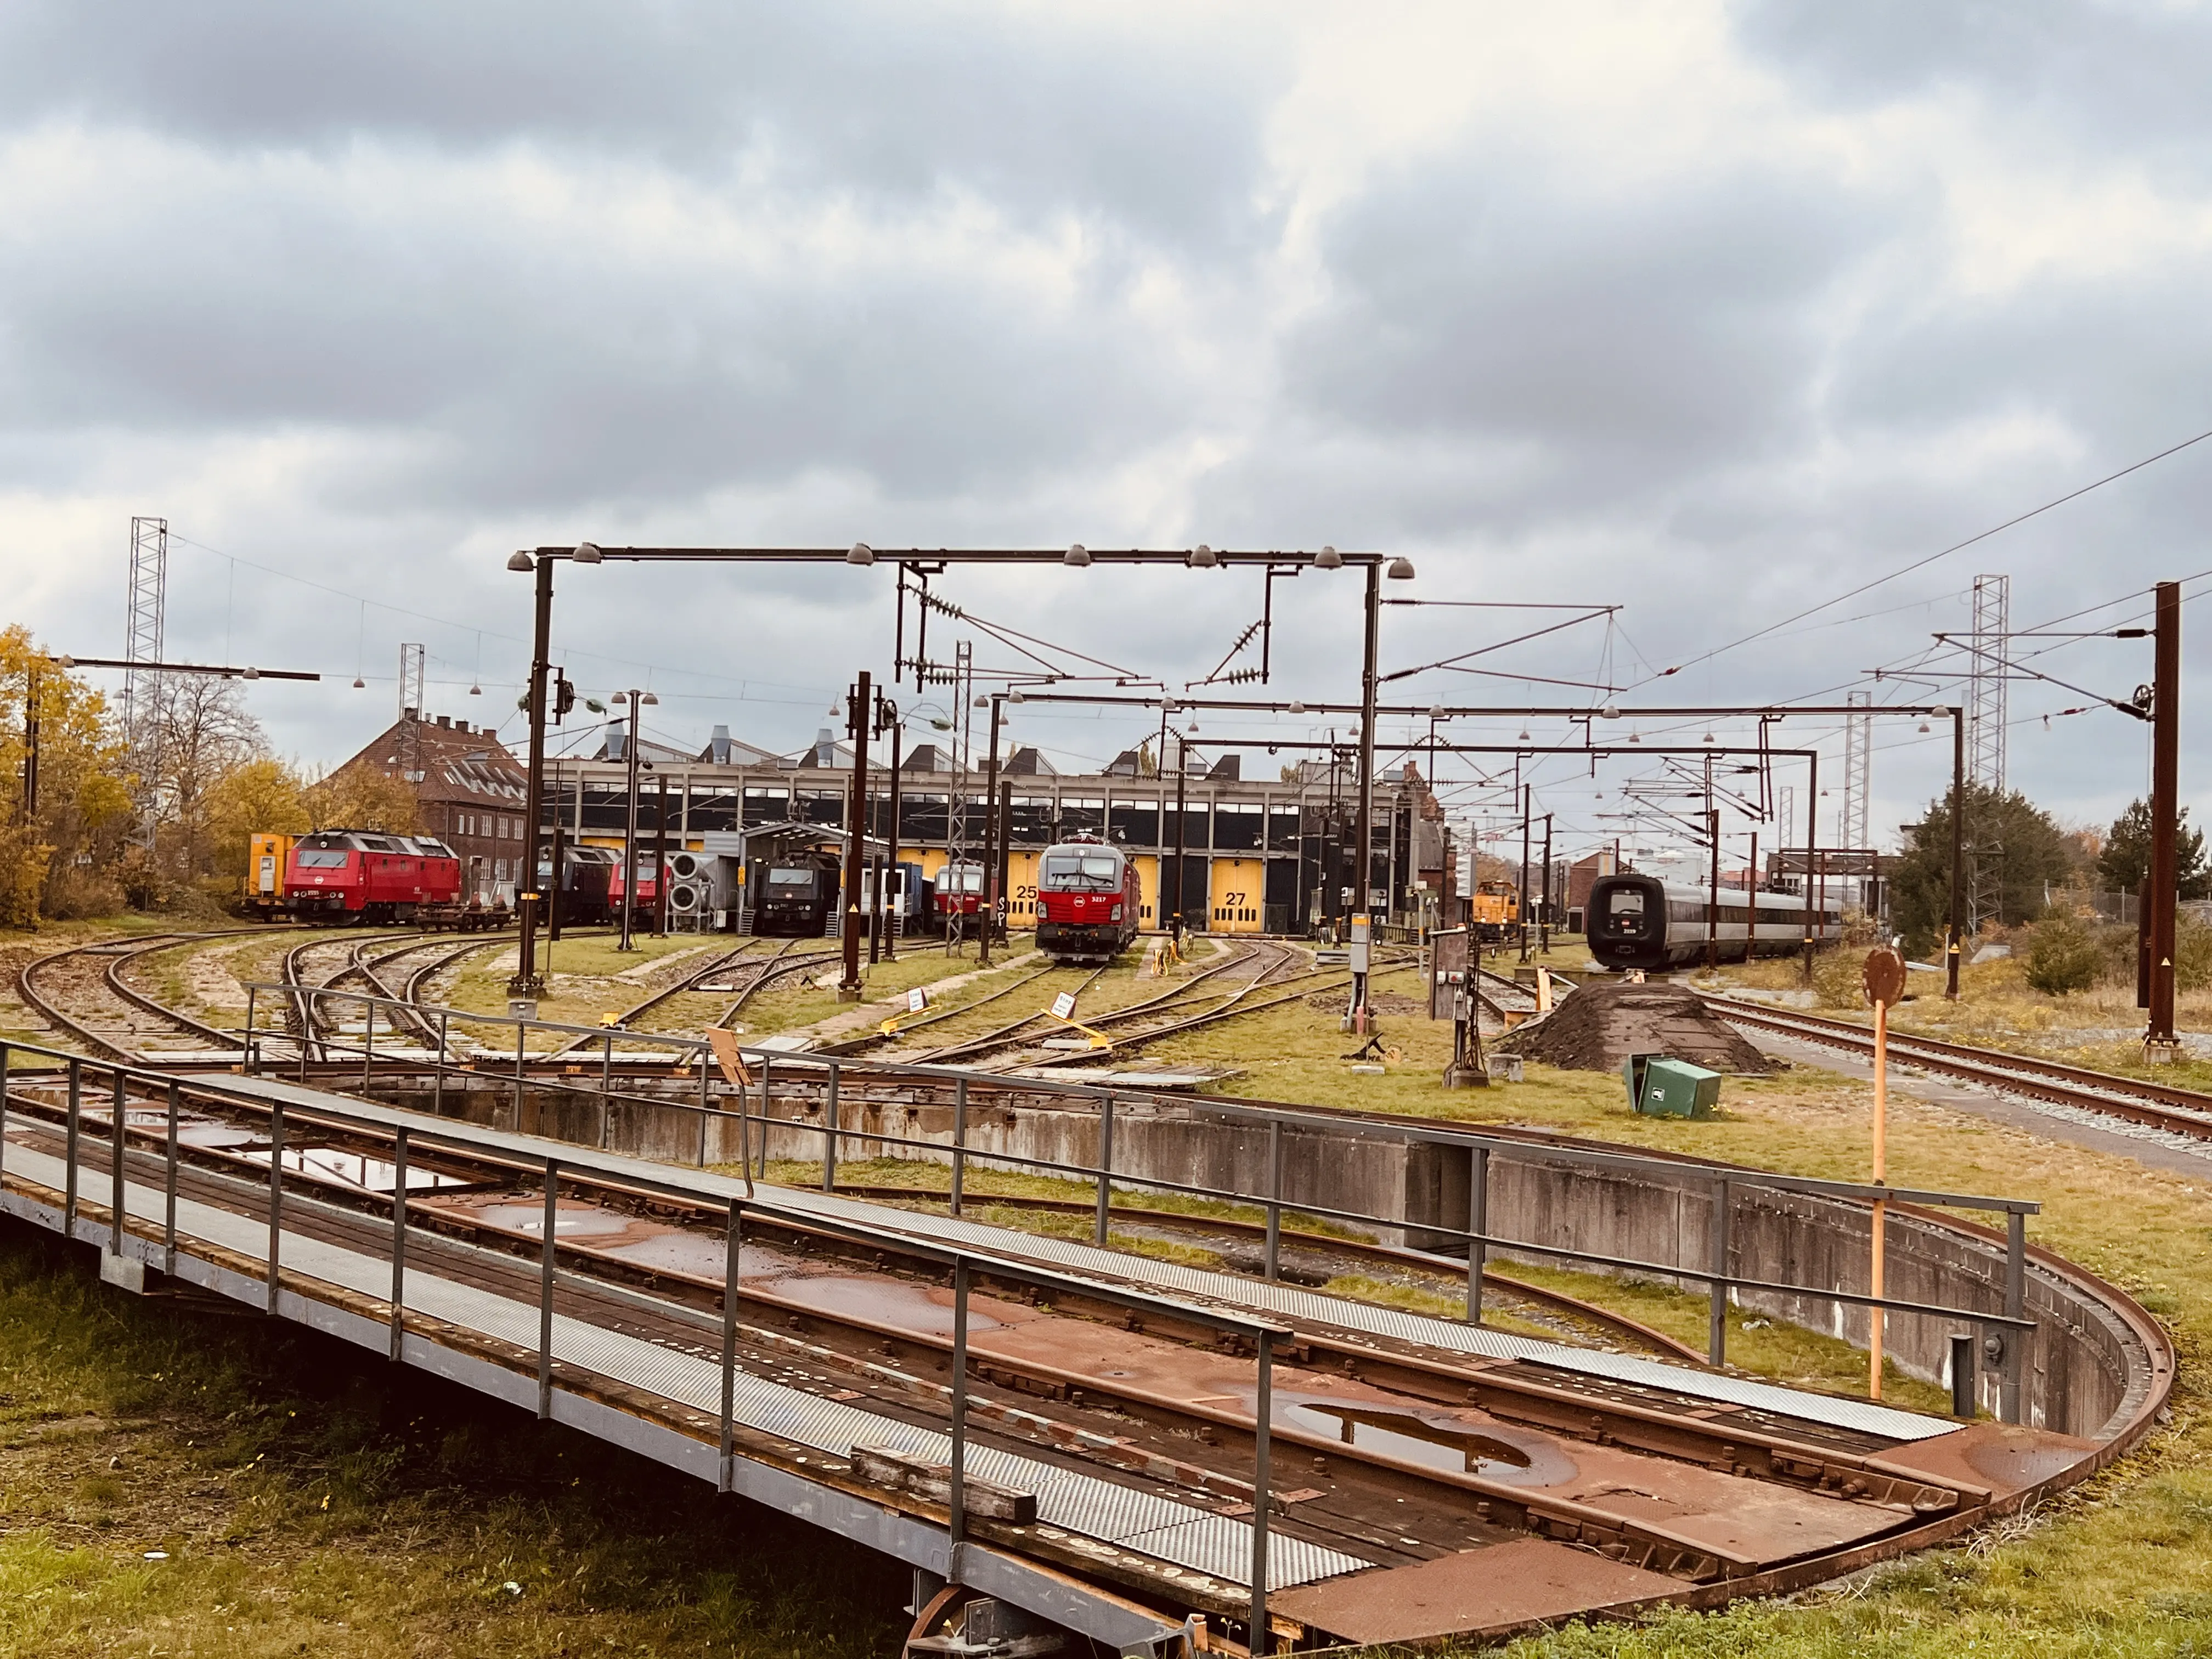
1088 901
957 891
361 875
647 898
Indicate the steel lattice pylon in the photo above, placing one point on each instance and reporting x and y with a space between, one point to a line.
142 643
1986 738
411 659
1859 773
1986 688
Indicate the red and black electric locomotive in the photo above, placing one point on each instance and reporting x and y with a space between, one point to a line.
336 876
1088 901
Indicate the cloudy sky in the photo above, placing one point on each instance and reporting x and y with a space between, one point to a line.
1712 312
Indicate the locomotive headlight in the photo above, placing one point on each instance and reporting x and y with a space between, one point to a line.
1117 916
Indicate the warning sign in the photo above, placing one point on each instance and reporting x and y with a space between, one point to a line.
1063 1005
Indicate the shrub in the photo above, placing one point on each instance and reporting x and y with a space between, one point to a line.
23 860
143 883
2192 953
1840 976
2064 956
79 892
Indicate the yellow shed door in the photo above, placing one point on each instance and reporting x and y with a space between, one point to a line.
1234 905
1148 884
1021 889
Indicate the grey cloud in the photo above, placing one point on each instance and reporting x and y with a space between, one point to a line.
498 362
1716 397
1608 345
524 369
1037 112
2049 73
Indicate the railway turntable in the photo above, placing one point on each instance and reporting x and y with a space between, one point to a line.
1057 1437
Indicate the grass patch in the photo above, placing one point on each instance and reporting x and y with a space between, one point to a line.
2121 1566
2101 1028
312 1499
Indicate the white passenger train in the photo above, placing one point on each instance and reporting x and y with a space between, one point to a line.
1639 921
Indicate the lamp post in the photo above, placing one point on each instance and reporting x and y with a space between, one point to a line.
857 716
1182 831
991 831
527 984
885 942
2162 890
29 804
526 981
553 877
1160 844
1364 896
630 757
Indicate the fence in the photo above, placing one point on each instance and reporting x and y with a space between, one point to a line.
819 1079
962 1266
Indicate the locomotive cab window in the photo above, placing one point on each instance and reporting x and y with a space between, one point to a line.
790 877
317 859
1083 872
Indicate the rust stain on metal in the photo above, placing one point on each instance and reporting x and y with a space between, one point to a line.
1475 1592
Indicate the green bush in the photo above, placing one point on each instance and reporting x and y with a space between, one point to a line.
2064 956
2192 953
1839 977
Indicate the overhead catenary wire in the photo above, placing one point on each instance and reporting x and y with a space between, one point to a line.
1943 553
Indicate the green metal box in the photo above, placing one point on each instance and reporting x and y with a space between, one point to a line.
1660 1087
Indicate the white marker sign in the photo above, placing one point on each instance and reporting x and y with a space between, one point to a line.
917 1000
1063 1005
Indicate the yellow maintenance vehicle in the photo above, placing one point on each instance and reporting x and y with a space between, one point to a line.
1494 912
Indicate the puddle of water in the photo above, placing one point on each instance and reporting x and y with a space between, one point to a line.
208 1133
363 1174
530 1218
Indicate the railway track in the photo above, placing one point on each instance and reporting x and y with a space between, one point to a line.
1388 1451
1005 1037
687 981
873 1039
1365 1252
308 1018
2156 1105
96 970
1009 1045
782 965
1232 1006
1501 995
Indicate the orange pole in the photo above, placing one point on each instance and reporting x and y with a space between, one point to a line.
1875 1316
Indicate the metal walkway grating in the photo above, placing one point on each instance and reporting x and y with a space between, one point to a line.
1285 1302
1141 1522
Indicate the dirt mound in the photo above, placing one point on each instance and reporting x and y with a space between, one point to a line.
1605 1022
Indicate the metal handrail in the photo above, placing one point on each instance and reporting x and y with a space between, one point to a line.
1807 1185
964 1263
1722 1178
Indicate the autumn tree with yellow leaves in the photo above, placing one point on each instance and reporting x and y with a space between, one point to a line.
57 852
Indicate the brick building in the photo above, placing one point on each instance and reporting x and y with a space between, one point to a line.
469 793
